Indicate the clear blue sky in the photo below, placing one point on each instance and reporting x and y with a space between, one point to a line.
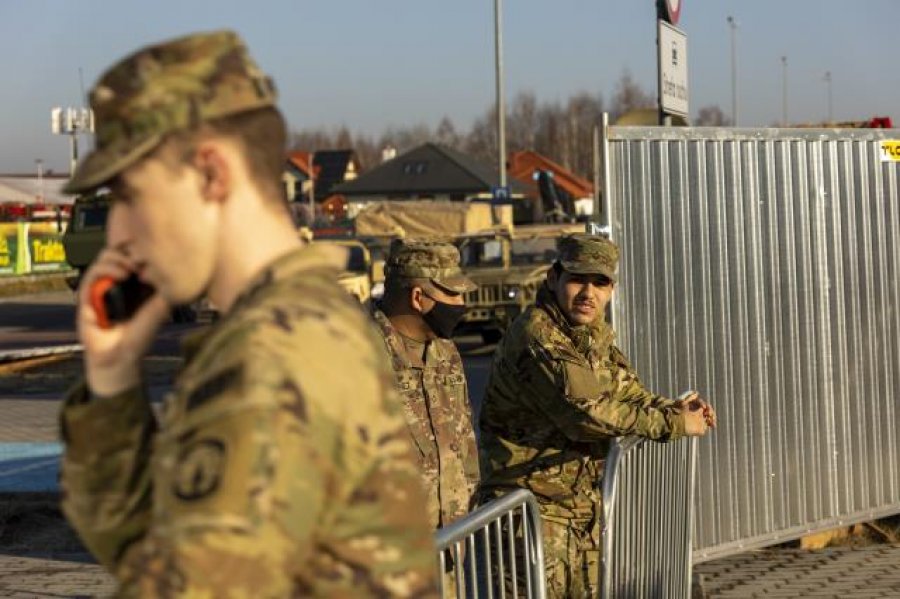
369 64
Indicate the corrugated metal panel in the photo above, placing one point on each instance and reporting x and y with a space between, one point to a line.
761 268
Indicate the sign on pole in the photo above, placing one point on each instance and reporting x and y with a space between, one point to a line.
673 70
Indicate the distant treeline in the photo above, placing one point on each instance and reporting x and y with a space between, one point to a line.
559 130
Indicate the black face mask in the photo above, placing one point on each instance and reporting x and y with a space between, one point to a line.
443 318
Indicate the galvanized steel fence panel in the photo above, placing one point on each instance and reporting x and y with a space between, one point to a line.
488 549
648 497
761 268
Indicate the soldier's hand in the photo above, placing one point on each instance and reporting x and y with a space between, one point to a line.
699 415
112 356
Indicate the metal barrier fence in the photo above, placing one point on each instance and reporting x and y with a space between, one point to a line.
762 267
648 499
487 550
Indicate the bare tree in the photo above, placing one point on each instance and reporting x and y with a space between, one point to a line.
446 134
712 116
629 96
522 122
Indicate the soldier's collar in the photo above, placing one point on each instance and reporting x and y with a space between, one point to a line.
305 258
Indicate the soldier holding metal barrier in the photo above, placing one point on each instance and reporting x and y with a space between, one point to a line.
559 392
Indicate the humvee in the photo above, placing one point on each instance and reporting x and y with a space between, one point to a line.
509 266
507 262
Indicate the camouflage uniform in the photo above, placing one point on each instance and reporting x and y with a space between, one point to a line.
271 473
556 397
433 388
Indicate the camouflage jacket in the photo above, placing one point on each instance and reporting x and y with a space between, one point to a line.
556 396
436 405
273 473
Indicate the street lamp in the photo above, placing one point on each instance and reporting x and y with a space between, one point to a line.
501 103
784 101
734 107
827 80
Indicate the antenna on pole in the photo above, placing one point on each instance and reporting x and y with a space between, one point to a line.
84 98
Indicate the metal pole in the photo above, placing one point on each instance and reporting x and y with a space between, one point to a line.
312 188
501 103
74 156
828 84
734 106
595 163
784 97
40 174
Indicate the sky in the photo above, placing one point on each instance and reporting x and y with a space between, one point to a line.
372 64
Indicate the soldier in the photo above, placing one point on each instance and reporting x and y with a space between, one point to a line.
559 391
422 304
272 473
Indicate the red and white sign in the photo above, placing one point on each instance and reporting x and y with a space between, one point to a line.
673 9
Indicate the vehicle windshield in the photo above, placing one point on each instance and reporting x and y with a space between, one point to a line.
480 252
540 250
356 260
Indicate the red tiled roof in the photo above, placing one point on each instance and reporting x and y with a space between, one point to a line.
522 166
300 160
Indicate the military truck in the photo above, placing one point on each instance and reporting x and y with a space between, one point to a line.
509 266
86 236
360 276
509 263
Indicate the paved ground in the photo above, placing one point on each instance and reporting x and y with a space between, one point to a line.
47 561
872 571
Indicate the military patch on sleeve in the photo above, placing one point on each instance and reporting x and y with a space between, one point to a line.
198 472
214 386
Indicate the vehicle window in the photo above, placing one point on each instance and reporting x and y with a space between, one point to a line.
481 252
356 260
93 217
533 251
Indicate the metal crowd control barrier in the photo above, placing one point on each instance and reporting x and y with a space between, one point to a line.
648 499
488 547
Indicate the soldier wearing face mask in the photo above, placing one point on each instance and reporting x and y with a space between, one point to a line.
422 304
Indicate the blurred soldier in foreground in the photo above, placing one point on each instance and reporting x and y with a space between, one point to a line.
422 304
559 391
273 473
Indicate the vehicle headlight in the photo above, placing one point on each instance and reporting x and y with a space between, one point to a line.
512 292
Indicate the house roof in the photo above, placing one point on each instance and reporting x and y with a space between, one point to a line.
522 166
428 169
330 167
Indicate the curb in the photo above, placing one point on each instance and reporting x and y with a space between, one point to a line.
11 286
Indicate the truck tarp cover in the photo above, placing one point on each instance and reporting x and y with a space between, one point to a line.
422 219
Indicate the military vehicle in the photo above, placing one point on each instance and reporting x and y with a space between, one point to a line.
507 262
509 266
86 234
360 276
85 237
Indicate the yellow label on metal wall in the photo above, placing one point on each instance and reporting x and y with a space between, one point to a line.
890 150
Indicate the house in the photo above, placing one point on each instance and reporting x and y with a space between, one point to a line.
571 191
329 168
431 172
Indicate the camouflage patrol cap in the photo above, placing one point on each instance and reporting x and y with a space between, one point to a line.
433 260
588 254
168 87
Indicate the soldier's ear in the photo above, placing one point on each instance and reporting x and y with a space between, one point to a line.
416 295
215 171
551 277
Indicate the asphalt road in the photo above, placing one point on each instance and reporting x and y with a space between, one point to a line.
49 319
